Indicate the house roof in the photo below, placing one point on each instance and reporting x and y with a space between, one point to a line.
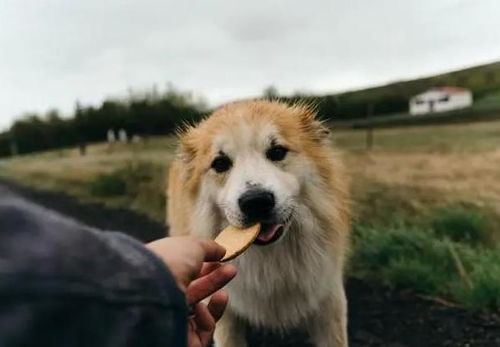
450 89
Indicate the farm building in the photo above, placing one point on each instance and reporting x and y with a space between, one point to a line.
440 99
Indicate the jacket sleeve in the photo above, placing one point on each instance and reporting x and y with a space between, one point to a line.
65 284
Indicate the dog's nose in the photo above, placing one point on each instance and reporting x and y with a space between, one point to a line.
256 204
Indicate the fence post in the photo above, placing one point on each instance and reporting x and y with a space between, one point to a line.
13 148
369 127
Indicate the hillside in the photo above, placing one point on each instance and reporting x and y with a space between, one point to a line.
483 80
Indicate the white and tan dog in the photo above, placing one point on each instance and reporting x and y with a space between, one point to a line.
272 163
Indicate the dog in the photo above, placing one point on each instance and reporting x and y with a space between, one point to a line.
273 163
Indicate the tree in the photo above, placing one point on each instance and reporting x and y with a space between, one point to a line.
149 113
270 93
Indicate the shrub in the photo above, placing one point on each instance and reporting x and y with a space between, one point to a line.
484 273
376 247
139 184
146 188
137 171
460 224
418 259
108 185
414 273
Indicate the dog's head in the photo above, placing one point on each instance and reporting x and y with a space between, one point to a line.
250 161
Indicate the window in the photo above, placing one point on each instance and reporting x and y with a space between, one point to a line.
445 98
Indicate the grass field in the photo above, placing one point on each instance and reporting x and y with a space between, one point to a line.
426 200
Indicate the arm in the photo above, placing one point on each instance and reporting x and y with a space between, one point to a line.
62 283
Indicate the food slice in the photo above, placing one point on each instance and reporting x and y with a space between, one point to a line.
236 240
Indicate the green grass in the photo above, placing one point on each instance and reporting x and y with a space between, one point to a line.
416 258
138 185
461 224
108 185
484 273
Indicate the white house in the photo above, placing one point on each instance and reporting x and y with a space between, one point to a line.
440 99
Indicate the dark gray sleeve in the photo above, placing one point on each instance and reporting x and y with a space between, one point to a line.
65 284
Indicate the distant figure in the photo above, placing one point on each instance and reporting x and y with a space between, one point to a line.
82 147
136 139
111 136
13 148
122 135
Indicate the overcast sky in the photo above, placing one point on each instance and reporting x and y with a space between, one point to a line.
53 52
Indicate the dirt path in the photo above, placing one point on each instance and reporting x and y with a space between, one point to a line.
378 316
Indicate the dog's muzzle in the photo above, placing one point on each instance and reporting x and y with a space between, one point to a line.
258 205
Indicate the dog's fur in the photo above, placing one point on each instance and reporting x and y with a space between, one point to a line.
296 282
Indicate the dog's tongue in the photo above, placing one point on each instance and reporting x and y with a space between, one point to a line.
268 231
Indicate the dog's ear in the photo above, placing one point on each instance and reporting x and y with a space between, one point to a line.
187 154
321 130
187 148
314 127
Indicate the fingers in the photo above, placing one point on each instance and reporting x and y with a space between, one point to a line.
206 285
205 323
202 317
208 267
217 304
213 251
205 317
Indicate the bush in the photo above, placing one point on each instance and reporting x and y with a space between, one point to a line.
414 273
108 185
460 224
418 259
137 171
146 187
376 248
403 256
484 273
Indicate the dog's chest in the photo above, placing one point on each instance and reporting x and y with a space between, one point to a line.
282 286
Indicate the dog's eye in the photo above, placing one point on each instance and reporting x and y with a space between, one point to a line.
221 164
276 153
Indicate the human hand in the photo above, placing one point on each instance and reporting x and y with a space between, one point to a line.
193 264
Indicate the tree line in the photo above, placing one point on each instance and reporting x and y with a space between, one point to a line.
148 114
